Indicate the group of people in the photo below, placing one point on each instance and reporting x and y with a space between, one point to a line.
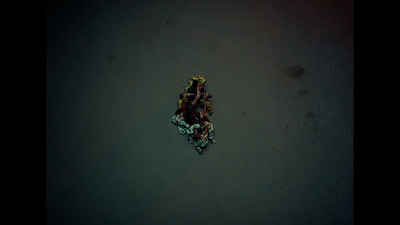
191 122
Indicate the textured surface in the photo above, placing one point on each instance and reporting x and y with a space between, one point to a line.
281 73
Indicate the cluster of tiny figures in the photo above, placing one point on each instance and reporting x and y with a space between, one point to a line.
191 122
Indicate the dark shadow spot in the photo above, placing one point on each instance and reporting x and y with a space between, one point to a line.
111 58
314 128
295 72
310 115
302 92
169 18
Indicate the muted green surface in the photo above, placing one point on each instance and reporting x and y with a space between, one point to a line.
281 73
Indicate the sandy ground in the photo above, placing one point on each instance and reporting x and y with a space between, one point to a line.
281 73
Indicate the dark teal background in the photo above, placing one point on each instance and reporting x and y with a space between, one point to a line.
281 73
